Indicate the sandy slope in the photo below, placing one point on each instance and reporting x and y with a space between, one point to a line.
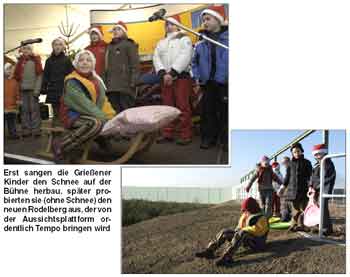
167 245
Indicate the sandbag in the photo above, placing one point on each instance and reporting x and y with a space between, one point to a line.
140 119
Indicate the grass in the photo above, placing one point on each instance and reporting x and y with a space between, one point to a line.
135 211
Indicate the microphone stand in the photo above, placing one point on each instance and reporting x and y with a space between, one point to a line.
195 33
13 49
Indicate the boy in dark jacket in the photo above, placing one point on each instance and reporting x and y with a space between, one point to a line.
265 176
251 231
210 70
319 151
121 69
57 67
296 182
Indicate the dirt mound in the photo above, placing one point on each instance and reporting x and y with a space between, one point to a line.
167 245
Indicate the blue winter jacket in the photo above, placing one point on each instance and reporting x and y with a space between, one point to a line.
201 61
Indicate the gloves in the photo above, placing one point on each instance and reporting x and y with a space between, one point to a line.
281 190
247 189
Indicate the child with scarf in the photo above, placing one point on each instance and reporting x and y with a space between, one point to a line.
28 73
11 100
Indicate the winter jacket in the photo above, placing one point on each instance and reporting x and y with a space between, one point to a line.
28 73
297 178
121 66
329 174
99 51
11 95
255 224
173 54
81 98
56 69
265 177
202 59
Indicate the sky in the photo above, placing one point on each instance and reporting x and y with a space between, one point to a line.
247 147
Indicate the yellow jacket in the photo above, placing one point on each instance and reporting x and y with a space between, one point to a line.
255 224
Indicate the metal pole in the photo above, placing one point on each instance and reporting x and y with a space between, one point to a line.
325 137
321 196
196 33
320 226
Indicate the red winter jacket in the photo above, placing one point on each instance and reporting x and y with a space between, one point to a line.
99 50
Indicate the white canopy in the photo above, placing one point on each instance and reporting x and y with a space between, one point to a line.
28 21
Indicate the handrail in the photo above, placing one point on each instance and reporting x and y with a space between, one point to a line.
322 196
280 151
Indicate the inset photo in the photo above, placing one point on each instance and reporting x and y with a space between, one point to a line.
279 209
116 84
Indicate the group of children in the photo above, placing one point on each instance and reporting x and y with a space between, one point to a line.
286 197
176 63
253 226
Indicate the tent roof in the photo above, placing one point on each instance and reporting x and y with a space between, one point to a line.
27 21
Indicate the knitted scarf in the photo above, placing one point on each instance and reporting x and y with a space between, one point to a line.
18 74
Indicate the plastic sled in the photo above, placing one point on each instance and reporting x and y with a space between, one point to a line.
312 210
140 143
274 219
280 225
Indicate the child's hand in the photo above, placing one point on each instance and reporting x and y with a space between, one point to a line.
281 190
168 80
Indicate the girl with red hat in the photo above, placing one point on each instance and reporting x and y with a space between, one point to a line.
98 48
251 231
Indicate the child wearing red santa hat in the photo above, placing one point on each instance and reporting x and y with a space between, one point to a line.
210 70
319 151
98 47
121 68
172 60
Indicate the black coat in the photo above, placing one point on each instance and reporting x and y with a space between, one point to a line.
56 69
329 176
297 178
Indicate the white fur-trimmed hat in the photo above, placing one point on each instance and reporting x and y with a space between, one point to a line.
216 11
7 66
121 25
77 56
97 30
319 149
76 60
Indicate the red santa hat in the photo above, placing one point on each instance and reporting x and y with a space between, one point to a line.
217 11
319 149
275 165
121 25
174 19
97 30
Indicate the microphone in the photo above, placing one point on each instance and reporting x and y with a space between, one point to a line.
157 15
31 41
